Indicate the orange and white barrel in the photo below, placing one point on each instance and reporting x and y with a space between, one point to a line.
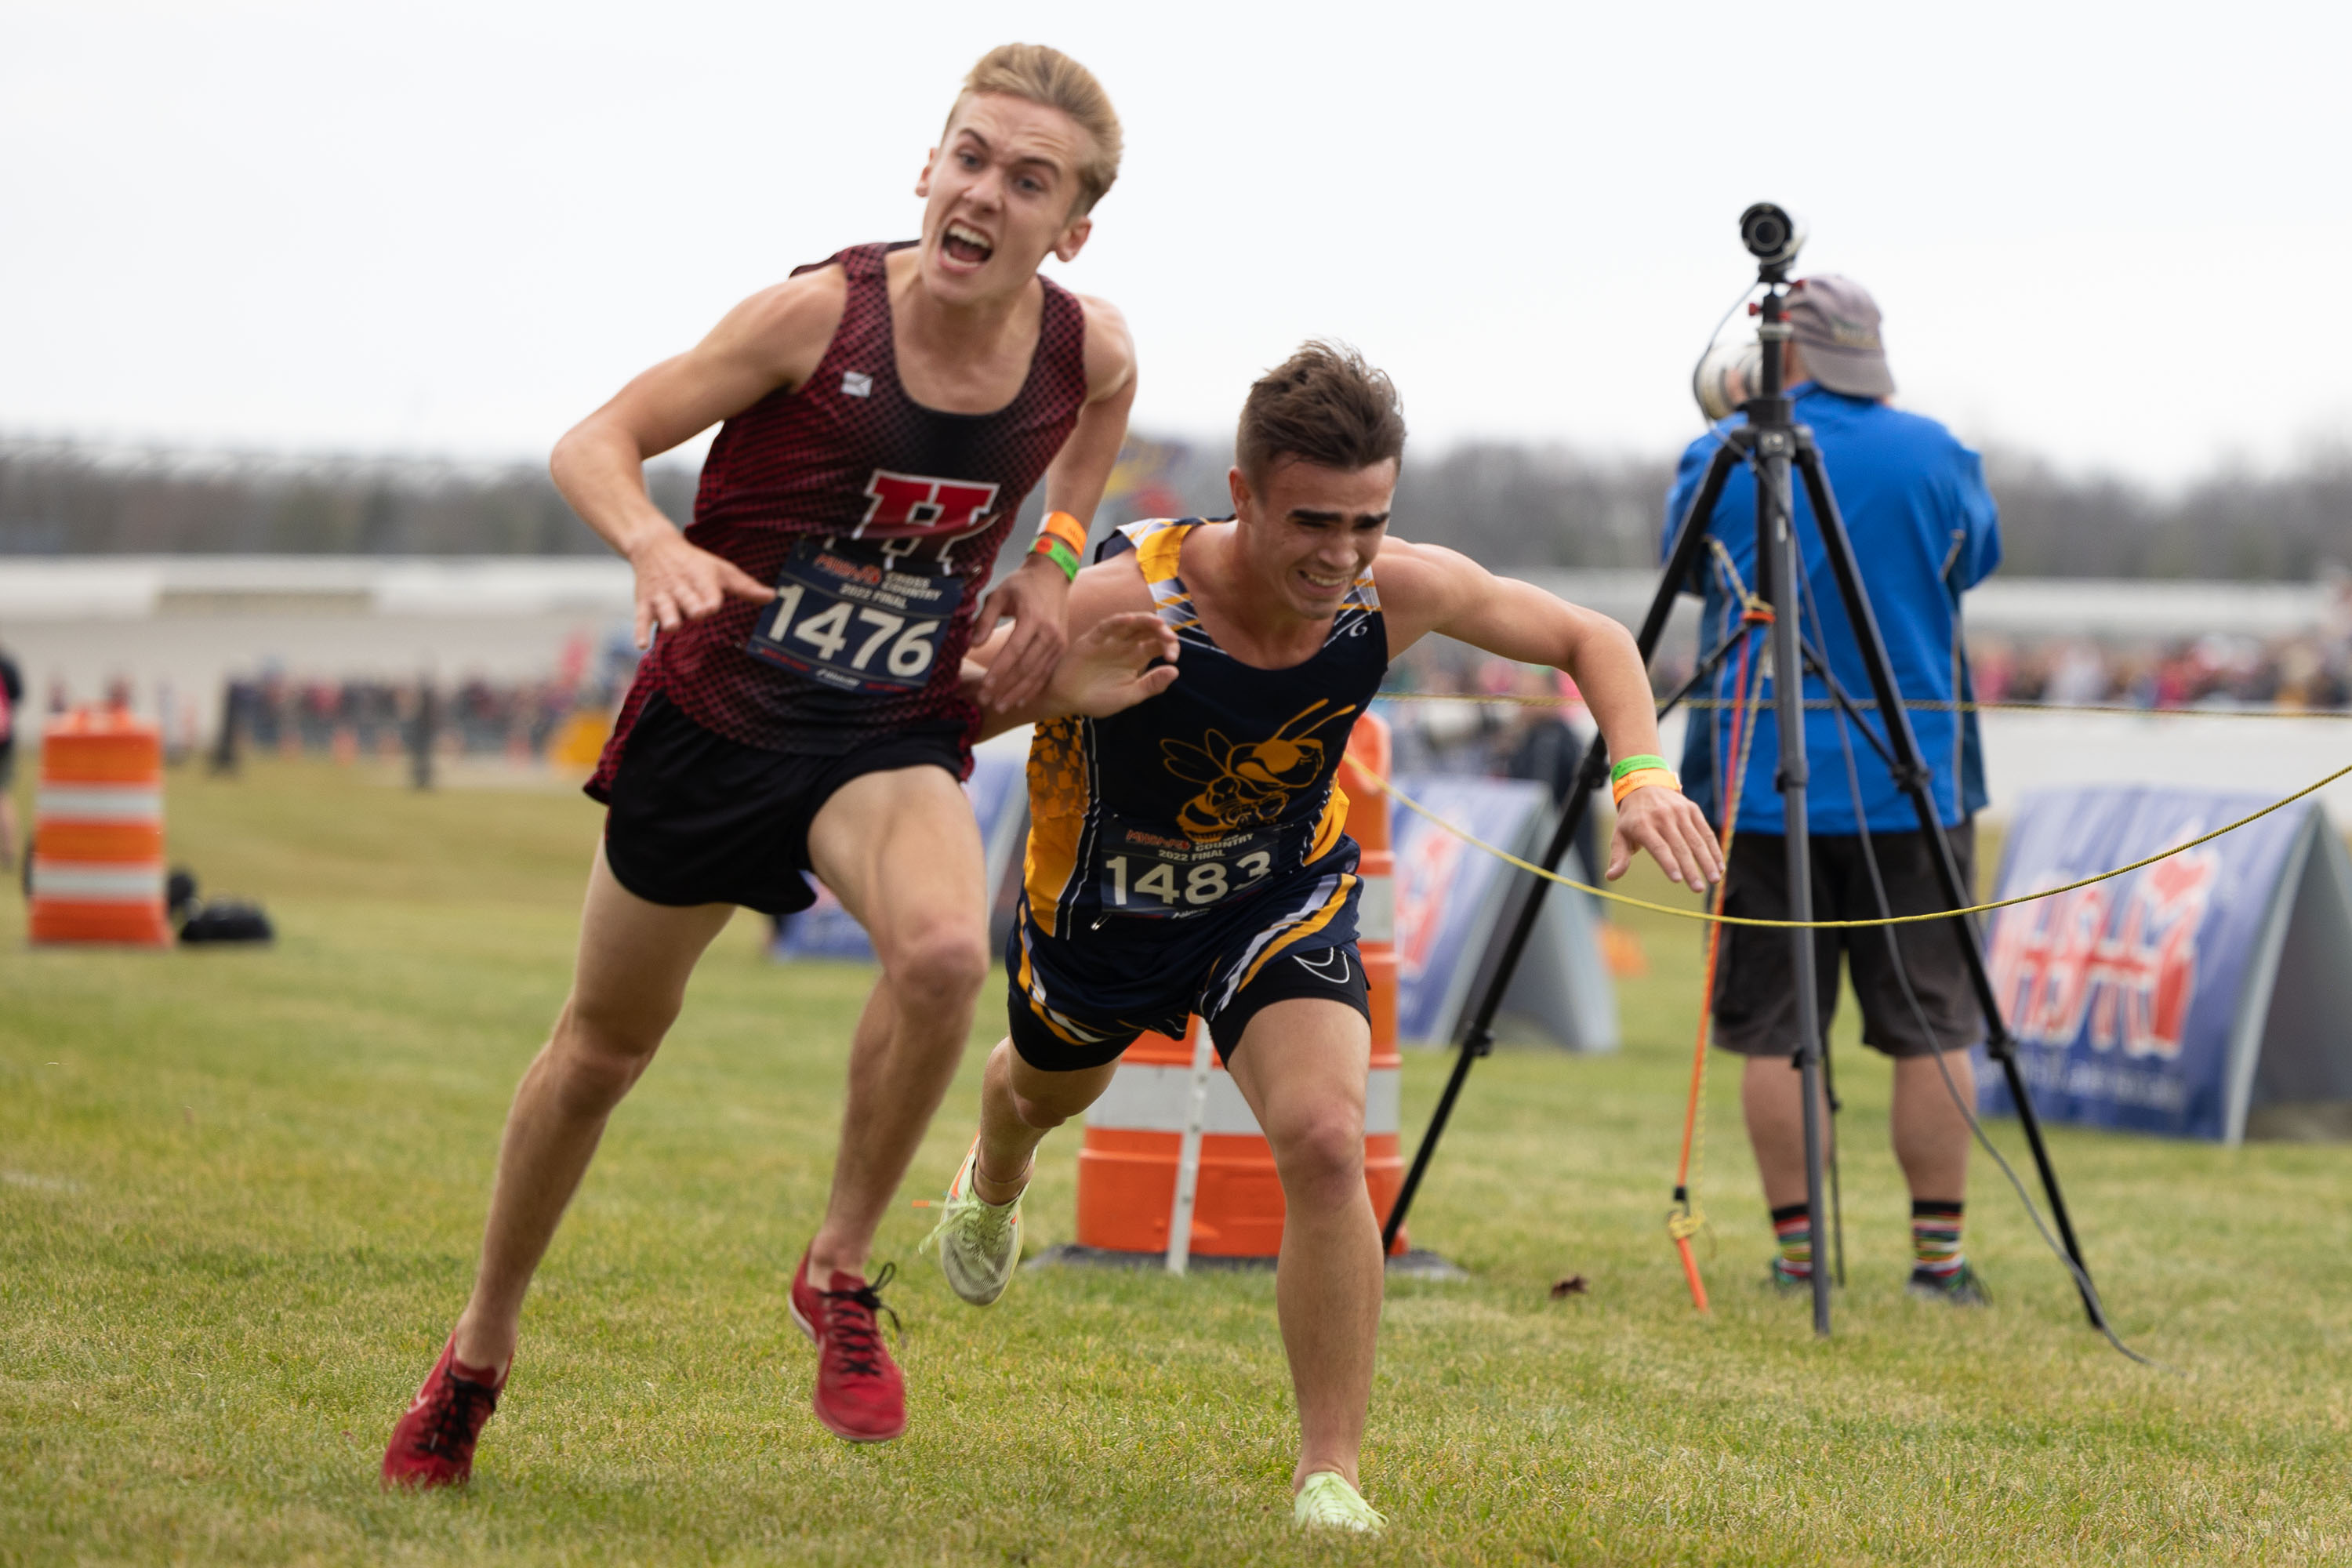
1129 1159
98 832
1370 750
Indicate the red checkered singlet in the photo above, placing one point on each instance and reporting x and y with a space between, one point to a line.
847 480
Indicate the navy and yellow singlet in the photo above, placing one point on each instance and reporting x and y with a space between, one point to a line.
1179 846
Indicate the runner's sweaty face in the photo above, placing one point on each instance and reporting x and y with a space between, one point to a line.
998 196
1309 531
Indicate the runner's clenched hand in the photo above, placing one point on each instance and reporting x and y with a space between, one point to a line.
1033 599
679 582
1112 667
1674 832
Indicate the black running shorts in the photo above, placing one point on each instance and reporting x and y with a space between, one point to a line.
1755 988
1078 1002
697 818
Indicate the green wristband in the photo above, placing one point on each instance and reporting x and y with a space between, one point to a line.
1635 765
1059 553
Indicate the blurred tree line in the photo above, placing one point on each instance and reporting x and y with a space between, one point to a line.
1507 504
68 498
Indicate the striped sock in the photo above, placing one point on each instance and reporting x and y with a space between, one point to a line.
1792 1227
1936 1238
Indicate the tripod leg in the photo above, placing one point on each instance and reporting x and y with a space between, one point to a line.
1775 544
1912 775
1479 1037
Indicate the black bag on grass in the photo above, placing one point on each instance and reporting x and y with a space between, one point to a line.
226 919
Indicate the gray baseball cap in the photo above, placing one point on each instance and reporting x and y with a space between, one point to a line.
1836 320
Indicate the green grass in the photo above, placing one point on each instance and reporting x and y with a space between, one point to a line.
239 1193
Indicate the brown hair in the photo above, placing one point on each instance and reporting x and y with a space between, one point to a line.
1046 76
1322 406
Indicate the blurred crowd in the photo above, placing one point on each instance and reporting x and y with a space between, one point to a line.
379 718
278 712
281 712
1542 739
2281 672
1517 741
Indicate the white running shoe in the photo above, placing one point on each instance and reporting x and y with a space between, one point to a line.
980 1243
1327 1502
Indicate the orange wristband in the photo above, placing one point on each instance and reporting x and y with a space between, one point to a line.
1644 778
1061 525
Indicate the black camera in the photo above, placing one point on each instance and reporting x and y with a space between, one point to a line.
1771 236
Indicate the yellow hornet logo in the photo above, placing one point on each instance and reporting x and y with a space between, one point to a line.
1250 784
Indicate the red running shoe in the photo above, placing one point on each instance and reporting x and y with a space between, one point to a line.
860 1393
433 1446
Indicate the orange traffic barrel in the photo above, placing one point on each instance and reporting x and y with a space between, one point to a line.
1134 1137
98 832
1370 749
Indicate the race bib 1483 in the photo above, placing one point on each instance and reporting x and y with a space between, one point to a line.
1149 873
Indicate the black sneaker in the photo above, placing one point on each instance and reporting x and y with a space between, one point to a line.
1964 1286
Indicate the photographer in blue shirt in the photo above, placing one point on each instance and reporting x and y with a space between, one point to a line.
1924 531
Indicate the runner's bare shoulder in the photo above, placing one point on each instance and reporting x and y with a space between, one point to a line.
1422 587
1409 571
783 330
1110 348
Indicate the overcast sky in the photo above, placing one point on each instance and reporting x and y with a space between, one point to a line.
2114 235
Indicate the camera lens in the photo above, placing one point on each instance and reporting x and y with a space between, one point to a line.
1727 378
1770 235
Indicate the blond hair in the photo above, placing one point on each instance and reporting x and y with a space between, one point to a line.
1046 76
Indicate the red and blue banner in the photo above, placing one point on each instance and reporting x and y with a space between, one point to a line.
1452 900
2141 1003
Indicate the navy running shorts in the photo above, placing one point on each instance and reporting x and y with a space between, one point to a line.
1076 1001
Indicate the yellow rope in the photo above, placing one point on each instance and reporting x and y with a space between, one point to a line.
1508 858
1823 704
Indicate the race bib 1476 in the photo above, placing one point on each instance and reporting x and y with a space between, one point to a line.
849 618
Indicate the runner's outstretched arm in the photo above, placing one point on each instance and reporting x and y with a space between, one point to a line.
1111 590
1112 665
773 339
1427 588
1035 595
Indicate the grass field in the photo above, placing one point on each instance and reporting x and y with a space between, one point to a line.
239 1193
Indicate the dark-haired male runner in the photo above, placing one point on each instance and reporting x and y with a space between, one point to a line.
886 412
1188 856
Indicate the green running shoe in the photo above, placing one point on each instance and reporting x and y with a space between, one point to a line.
1964 1286
979 1243
1327 1502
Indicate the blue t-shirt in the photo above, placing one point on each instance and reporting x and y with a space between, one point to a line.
1924 530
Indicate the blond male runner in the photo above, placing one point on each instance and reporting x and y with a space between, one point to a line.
1188 854
886 412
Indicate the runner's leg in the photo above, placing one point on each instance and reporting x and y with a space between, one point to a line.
902 852
1019 1104
1302 1066
626 985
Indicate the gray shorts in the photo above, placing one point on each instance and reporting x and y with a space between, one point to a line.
1754 1002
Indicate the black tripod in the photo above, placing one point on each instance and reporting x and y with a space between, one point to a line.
1772 443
